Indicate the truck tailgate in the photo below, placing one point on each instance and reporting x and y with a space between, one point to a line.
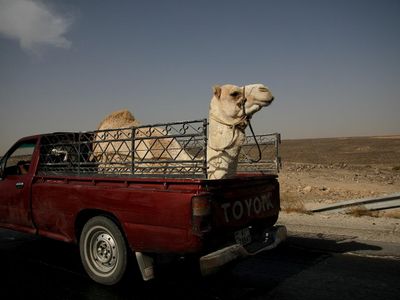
245 201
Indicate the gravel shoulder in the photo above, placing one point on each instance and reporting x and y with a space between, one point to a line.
360 228
338 233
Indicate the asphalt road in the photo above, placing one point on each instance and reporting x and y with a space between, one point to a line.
301 268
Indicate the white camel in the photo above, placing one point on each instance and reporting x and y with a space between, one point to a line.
230 109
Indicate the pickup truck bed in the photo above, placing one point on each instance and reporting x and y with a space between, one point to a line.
162 214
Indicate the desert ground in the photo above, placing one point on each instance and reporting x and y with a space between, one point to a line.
322 171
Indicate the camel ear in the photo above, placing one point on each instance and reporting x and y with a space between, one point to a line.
217 91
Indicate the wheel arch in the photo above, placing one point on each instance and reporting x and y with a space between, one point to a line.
87 214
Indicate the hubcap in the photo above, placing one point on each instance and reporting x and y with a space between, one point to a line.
103 251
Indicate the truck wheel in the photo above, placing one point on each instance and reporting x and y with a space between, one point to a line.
103 250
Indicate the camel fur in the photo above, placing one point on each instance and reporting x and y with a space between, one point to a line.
227 124
119 125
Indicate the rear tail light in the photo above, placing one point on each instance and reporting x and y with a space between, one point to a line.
201 214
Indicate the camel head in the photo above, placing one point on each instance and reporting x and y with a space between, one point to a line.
228 101
258 96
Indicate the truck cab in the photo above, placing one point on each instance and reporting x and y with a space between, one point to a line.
17 168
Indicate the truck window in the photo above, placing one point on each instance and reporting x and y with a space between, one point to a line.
19 161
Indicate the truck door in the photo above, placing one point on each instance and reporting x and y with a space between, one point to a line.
15 186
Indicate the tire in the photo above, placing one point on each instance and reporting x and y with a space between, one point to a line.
103 251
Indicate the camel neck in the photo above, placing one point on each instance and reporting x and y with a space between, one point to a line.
223 149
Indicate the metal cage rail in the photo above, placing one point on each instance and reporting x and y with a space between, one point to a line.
175 150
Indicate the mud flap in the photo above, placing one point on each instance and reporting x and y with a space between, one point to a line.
146 265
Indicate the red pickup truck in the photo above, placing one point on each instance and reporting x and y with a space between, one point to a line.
51 185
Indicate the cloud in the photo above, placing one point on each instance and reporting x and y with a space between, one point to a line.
33 24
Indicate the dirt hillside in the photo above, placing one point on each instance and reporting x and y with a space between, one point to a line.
327 170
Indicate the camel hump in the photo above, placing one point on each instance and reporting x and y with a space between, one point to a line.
119 118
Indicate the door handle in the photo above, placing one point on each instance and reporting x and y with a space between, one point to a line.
19 185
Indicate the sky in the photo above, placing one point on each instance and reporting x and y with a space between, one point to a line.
333 66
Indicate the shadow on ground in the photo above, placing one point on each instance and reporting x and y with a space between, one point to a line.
35 267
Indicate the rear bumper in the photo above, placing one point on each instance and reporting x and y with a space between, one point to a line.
212 262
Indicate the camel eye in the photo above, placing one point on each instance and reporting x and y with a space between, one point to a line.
235 94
